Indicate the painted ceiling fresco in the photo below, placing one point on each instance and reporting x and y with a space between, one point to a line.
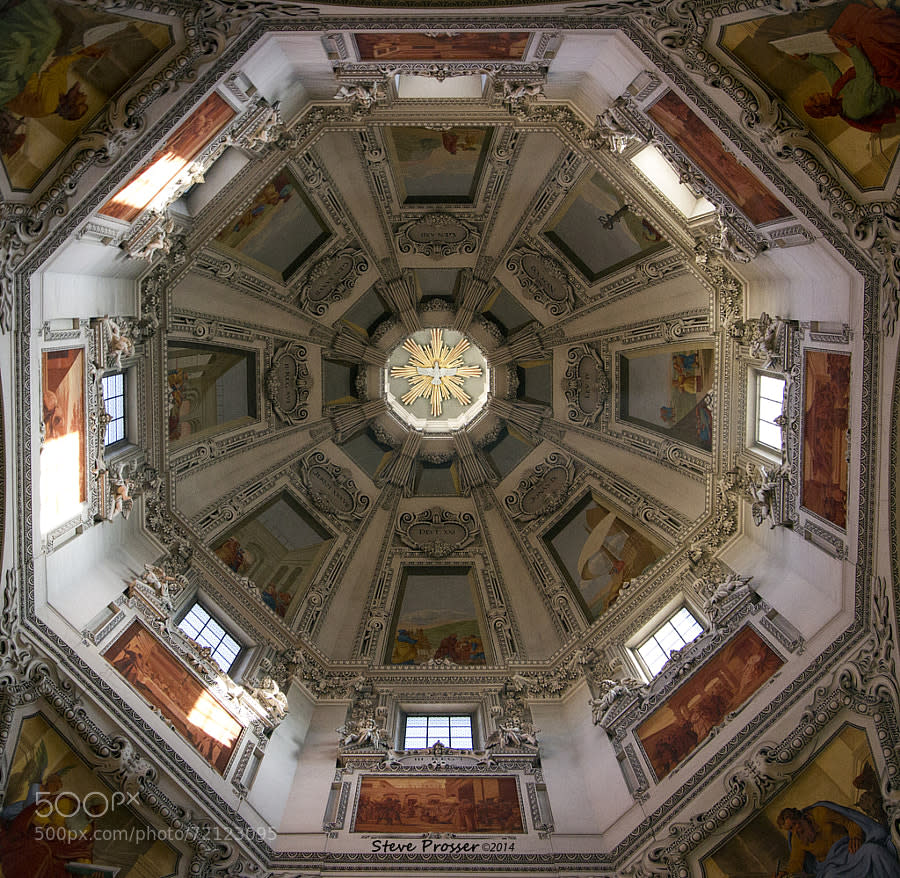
598 551
599 232
666 392
499 565
437 619
438 167
280 547
257 234
836 68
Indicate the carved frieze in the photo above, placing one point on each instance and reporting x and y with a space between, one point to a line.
331 279
437 532
544 278
544 490
586 385
288 383
437 235
331 489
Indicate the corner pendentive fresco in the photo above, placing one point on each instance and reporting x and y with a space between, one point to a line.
63 461
210 388
62 64
172 689
257 235
826 419
437 619
279 547
597 230
837 67
672 732
704 147
437 167
58 819
829 821
598 551
438 804
666 392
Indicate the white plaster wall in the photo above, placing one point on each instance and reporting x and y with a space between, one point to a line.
585 785
294 779
68 295
798 579
808 282
94 568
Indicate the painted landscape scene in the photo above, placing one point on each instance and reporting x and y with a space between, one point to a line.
437 619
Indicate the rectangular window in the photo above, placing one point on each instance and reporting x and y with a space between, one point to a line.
769 405
114 401
200 626
426 730
677 631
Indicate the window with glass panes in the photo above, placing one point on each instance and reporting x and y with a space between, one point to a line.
769 404
199 625
426 730
679 629
114 400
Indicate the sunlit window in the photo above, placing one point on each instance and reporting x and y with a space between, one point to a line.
426 730
677 631
199 625
769 405
114 400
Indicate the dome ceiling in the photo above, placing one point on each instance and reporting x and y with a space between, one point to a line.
441 336
308 271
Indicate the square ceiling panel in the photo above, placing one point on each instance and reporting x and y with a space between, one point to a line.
278 231
279 546
598 551
437 167
597 232
665 391
210 389
437 618
64 63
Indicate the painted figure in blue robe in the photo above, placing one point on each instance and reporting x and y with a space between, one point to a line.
831 841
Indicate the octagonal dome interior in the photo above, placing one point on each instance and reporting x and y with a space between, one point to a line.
504 388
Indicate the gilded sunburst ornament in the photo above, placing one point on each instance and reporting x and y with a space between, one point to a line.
436 371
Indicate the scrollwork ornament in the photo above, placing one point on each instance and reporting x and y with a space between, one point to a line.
880 236
437 235
586 385
437 532
544 278
544 490
331 279
288 383
331 489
